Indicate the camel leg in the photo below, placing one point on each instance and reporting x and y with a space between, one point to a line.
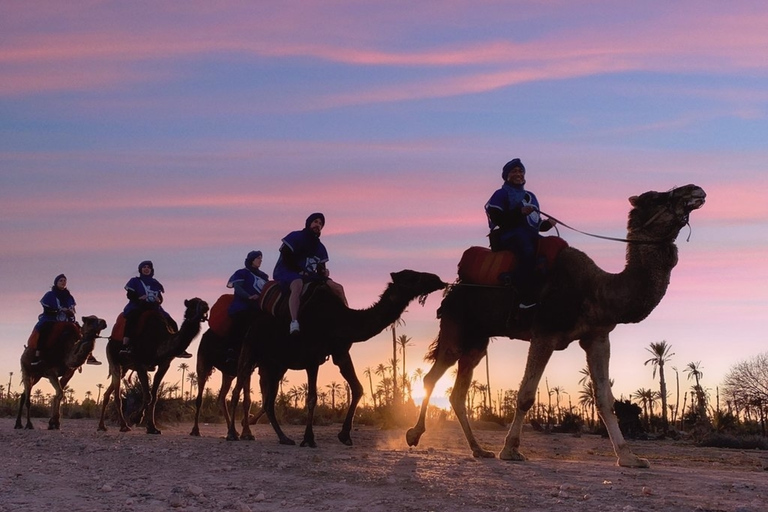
598 351
269 385
539 353
232 434
309 433
347 369
444 359
254 418
54 422
25 400
246 433
149 410
203 372
467 364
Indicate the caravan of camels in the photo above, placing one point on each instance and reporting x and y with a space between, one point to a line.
577 301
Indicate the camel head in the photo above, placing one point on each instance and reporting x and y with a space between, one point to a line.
196 308
661 215
93 324
417 284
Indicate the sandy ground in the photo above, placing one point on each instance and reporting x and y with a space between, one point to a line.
78 469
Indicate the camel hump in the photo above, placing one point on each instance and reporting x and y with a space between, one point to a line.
480 265
219 320
118 330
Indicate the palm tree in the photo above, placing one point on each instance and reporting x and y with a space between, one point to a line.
334 387
381 371
10 376
645 397
694 370
183 367
367 373
192 379
88 395
38 394
403 341
99 386
661 352
394 357
557 390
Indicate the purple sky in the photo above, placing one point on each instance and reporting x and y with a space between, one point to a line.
189 134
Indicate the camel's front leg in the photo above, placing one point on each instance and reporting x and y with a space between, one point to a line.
232 434
245 433
539 353
347 369
54 422
269 383
309 433
598 349
150 395
445 358
467 364
24 400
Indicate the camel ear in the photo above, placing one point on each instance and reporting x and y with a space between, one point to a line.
186 302
83 318
102 324
633 200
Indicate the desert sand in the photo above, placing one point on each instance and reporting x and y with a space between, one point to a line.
80 469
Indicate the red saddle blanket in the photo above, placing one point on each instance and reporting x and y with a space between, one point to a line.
271 297
56 331
480 265
219 320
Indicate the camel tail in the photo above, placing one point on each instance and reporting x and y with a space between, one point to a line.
432 351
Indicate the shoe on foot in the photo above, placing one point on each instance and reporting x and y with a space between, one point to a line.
92 360
294 327
126 350
527 305
36 362
185 355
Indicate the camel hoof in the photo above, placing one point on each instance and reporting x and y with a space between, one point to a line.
195 433
101 428
153 431
345 439
483 454
412 436
247 437
310 443
29 426
125 428
633 462
512 455
53 427
232 437
287 441
18 426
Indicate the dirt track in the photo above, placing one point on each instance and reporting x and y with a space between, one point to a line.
78 469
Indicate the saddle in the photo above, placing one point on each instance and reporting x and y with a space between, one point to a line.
480 265
118 329
219 320
273 298
55 331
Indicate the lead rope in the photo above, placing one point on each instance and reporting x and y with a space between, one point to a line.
611 238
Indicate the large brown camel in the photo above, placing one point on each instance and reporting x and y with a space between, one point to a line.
153 345
64 355
578 301
328 329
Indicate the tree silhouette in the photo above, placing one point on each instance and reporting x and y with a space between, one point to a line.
99 386
367 372
403 341
694 371
183 367
661 352
334 387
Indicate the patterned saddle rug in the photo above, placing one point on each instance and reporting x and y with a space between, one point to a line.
480 265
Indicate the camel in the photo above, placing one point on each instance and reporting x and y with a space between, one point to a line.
578 301
68 352
328 329
154 345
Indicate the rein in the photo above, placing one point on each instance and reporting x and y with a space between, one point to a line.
625 240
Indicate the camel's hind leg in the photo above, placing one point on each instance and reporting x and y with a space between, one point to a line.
539 353
467 364
446 354
598 351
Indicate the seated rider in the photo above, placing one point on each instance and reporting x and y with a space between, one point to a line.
515 223
302 260
144 293
247 283
58 306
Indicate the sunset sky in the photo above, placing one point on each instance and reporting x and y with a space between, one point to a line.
190 133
